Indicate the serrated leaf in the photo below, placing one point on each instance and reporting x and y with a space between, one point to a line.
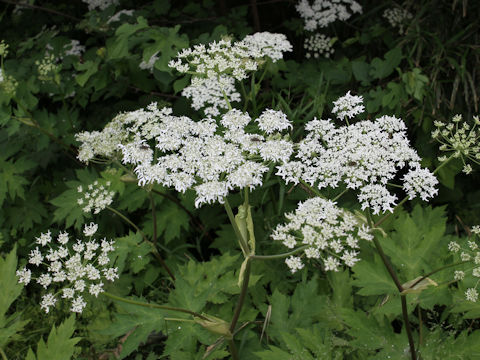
11 289
171 219
372 278
68 210
11 180
136 321
59 345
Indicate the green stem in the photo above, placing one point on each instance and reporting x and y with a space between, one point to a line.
238 234
339 195
435 271
382 220
279 256
154 306
244 94
400 288
443 164
4 356
152 245
315 191
154 218
241 299
233 350
407 327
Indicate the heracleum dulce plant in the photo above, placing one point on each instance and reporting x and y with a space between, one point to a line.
230 152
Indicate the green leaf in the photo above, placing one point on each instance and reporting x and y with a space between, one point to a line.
171 219
361 72
118 46
68 210
372 277
11 180
89 67
382 68
136 321
11 289
60 345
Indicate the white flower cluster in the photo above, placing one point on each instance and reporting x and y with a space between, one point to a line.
318 45
79 267
469 253
101 4
202 155
330 233
364 156
74 48
321 13
348 106
461 141
47 67
398 17
217 66
96 197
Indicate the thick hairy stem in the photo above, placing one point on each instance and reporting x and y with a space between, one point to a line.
155 306
154 248
279 256
233 350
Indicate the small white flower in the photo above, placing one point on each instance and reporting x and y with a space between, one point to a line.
96 289
471 294
348 106
90 230
68 293
459 275
294 263
110 274
78 304
453 246
24 276
271 121
44 239
48 300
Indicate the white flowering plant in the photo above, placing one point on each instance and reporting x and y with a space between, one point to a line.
189 185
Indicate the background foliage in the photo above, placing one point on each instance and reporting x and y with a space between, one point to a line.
428 73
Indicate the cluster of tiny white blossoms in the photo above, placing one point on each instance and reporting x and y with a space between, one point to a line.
217 66
348 106
74 48
469 253
47 67
398 17
210 158
100 4
365 155
321 13
96 196
318 45
329 233
7 82
461 141
70 269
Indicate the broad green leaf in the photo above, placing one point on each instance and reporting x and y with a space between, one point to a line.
60 345
171 219
11 180
382 68
11 289
372 277
68 210
138 322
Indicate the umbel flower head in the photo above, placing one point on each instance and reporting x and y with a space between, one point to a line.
366 155
469 252
210 158
321 13
398 17
318 45
70 270
329 234
460 140
218 65
96 196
